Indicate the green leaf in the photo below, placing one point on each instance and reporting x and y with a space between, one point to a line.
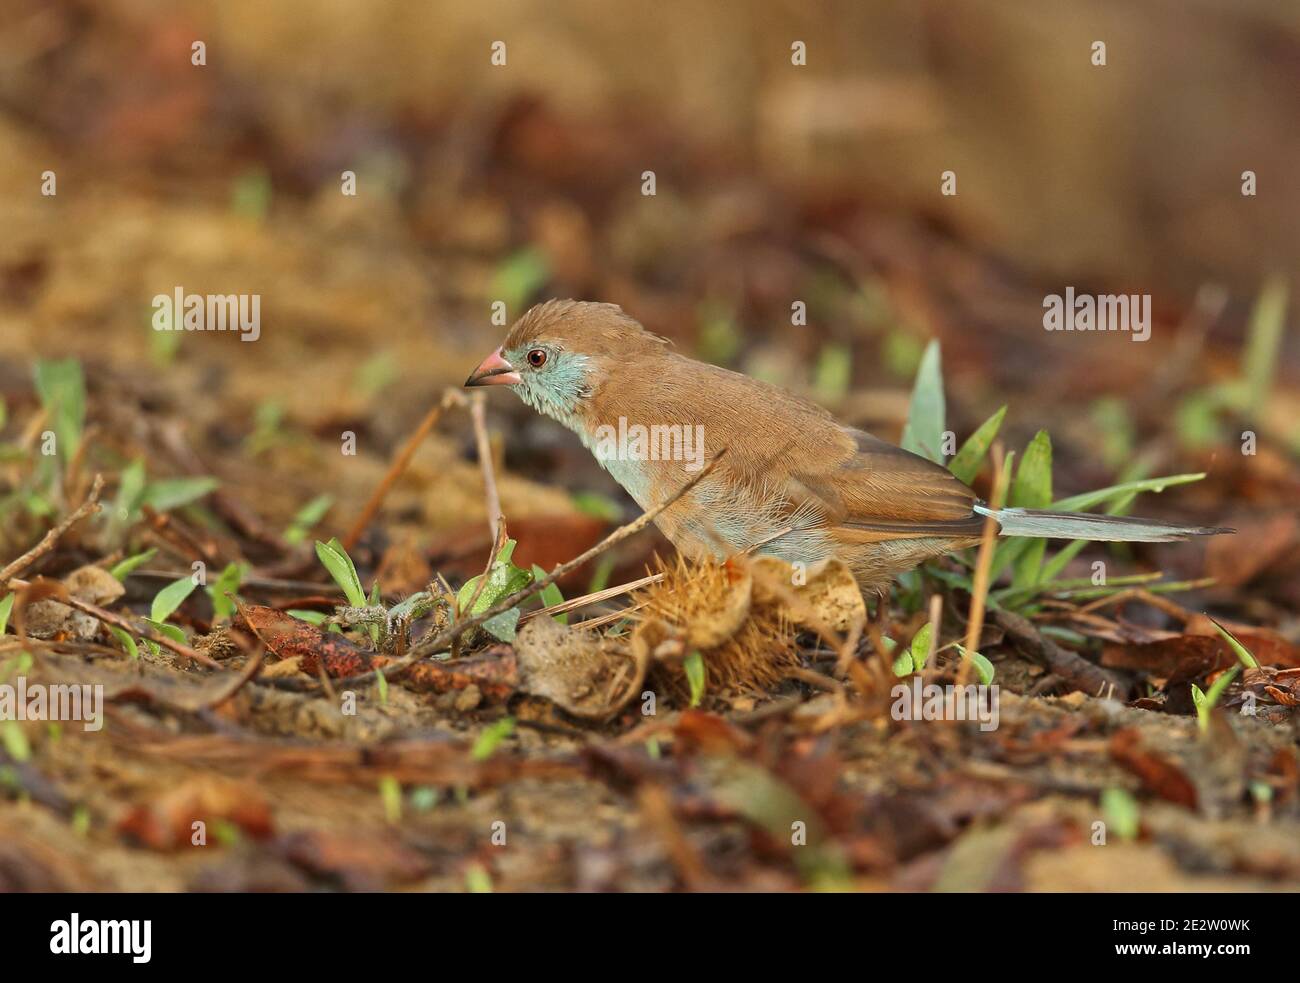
336 560
15 741
550 594
125 568
381 684
62 391
424 797
311 617
130 493
171 631
1263 343
491 738
1121 812
477 879
1086 500
6 606
376 374
600 576
921 647
227 582
306 518
503 580
923 433
170 598
1032 489
390 794
903 665
833 373
597 505
1243 654
969 459
126 641
172 493
718 339
694 666
1210 699
251 193
983 667
504 625
519 277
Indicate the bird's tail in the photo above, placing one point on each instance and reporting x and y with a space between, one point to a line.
1100 528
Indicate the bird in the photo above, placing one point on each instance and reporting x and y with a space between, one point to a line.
787 479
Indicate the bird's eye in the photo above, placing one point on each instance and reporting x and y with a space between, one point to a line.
537 358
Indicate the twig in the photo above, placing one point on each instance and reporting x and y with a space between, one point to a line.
605 619
88 507
657 810
253 667
596 598
452 397
1071 667
491 499
983 565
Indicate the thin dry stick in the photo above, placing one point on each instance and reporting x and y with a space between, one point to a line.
606 619
596 598
452 397
936 614
117 621
983 564
491 499
253 667
444 638
88 507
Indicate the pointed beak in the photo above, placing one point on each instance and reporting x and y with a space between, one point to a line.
494 371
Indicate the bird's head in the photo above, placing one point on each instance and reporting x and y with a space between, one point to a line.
558 355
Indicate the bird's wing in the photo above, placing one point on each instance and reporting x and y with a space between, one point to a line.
877 491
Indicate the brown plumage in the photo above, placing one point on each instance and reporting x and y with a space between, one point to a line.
793 478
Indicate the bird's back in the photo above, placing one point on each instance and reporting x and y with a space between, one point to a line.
788 462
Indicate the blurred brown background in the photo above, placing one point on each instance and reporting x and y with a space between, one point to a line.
775 182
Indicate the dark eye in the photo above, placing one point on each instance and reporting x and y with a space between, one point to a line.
537 358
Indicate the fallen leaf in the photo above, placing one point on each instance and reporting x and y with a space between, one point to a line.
167 822
1159 775
576 669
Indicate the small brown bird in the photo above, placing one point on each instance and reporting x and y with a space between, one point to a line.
794 483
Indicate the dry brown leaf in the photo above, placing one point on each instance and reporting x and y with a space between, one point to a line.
576 670
94 585
168 822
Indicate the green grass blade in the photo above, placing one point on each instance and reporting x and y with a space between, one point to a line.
923 433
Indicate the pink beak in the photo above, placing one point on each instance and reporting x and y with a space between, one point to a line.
494 371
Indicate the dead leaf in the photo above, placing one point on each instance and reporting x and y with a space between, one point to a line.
1158 774
167 822
48 618
577 670
288 637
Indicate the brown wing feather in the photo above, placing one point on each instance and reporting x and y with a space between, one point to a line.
883 492
866 489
